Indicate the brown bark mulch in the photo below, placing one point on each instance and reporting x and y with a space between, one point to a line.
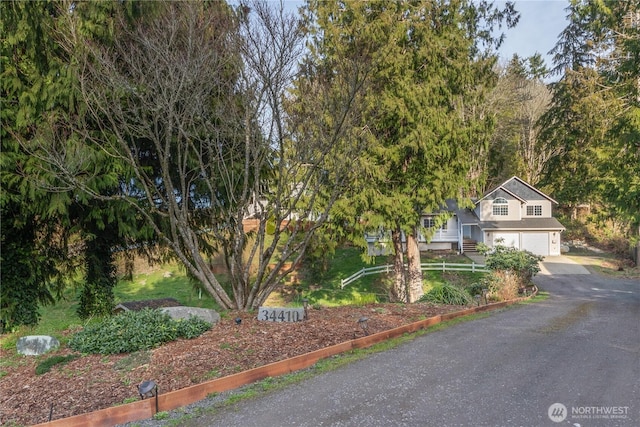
95 382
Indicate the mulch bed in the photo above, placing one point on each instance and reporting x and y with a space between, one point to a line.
95 382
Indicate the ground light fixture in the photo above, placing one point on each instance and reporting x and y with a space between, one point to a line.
305 305
149 388
362 322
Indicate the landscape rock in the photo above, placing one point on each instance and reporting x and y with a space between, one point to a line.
564 249
35 345
150 303
182 312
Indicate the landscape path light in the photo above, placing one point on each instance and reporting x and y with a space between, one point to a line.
305 305
363 324
149 388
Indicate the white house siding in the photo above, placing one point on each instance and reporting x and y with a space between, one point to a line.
438 246
554 246
441 235
546 208
485 212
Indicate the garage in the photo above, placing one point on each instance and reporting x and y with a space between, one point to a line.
507 239
537 243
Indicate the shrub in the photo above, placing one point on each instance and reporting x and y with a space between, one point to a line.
504 258
133 331
476 288
502 286
46 365
192 327
447 294
365 298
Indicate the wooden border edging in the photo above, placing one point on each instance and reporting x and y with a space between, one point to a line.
144 409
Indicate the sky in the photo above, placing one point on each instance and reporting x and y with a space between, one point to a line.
541 21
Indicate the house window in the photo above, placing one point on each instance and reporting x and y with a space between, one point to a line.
500 207
534 210
430 222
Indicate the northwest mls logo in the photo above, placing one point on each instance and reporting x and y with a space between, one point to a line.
557 412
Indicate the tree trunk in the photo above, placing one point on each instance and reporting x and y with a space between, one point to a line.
415 272
399 288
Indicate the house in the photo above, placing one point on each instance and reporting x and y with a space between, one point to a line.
514 214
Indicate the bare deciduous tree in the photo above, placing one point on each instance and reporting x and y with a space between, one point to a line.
196 106
518 102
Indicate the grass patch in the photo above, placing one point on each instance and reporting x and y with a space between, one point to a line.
605 264
169 280
133 361
162 415
540 296
326 291
46 365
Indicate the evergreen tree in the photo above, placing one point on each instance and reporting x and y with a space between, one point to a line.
39 97
33 80
428 68
594 115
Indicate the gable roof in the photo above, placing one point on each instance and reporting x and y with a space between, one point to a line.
505 189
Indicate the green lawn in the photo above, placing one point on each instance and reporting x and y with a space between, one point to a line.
368 289
325 290
168 281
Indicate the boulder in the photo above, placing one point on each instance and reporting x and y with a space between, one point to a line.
564 249
182 312
35 345
150 303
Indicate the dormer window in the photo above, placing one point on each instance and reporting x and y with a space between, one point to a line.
500 207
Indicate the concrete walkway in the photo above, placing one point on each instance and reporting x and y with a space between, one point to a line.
555 265
475 257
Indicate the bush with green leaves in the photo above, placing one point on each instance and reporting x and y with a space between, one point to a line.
135 330
46 365
447 294
476 288
504 258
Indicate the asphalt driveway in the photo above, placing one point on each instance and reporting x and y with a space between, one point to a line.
573 359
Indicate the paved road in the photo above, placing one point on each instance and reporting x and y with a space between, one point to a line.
579 348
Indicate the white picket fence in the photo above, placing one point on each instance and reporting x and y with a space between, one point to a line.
433 266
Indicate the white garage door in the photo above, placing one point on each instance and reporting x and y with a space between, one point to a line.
508 239
538 243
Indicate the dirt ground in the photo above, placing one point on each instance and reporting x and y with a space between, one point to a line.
94 382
